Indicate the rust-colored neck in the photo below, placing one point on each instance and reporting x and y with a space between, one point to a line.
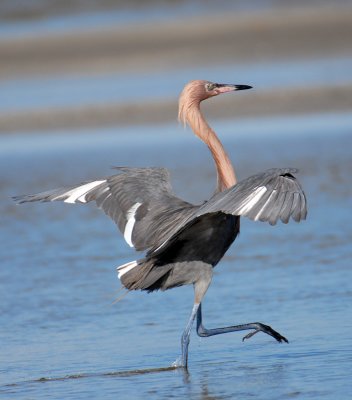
226 176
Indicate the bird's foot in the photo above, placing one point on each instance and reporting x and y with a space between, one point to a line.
259 327
179 363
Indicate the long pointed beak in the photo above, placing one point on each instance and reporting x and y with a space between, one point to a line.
242 87
224 88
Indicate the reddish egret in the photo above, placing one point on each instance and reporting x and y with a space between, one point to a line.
184 242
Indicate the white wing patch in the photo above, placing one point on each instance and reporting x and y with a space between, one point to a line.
251 200
122 269
79 193
265 204
131 213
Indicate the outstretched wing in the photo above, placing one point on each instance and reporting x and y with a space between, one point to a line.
139 200
267 196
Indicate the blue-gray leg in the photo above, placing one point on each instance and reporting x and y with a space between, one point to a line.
256 326
200 274
185 336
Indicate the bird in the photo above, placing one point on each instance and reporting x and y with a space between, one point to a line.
183 242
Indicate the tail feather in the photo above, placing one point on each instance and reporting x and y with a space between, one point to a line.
143 275
122 269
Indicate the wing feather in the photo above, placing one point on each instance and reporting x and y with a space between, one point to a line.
287 207
262 214
118 195
276 207
296 206
267 196
160 215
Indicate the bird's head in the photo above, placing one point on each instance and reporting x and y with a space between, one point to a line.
196 91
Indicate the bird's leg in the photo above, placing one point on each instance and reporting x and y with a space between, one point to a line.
201 284
186 335
256 326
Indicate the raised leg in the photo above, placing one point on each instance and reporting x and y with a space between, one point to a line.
256 326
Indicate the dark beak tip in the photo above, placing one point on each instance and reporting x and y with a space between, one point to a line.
243 87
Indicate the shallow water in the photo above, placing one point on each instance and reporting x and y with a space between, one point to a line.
62 335
48 18
85 17
62 91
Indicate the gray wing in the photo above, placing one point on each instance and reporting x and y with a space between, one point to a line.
139 200
267 196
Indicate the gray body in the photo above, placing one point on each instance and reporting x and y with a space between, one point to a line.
184 242
183 259
177 234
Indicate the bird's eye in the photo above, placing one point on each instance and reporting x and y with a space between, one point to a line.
210 86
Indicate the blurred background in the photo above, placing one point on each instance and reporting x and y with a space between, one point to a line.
86 85
74 64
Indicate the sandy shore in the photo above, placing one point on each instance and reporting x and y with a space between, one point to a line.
248 38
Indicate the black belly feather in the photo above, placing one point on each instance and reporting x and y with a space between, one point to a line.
203 243
206 240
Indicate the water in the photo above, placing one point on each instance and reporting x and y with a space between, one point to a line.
85 18
62 335
46 17
59 91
